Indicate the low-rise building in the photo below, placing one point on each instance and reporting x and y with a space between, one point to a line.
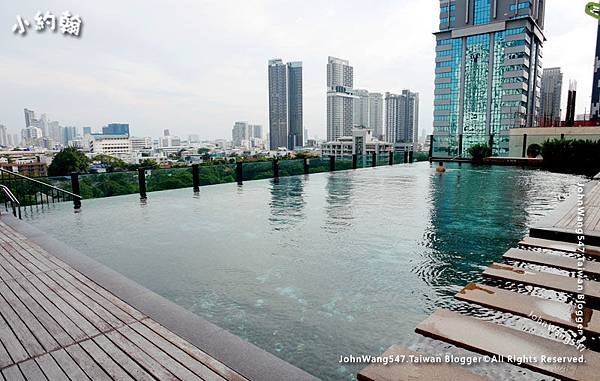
360 143
113 145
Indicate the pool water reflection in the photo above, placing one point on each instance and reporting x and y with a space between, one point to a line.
310 268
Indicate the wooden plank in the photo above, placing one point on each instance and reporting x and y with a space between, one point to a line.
158 355
13 374
561 262
5 359
50 368
80 307
69 366
85 362
592 251
542 279
31 370
61 318
25 258
107 295
13 346
183 358
98 309
81 323
411 371
23 334
147 362
108 304
121 358
557 313
493 339
57 332
106 363
196 353
31 321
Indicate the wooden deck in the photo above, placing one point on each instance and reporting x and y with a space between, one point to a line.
563 223
57 324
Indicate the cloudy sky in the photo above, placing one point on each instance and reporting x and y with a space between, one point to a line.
197 66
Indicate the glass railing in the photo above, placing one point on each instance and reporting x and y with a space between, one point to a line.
121 183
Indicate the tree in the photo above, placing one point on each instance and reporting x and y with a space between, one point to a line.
68 160
111 161
203 150
479 152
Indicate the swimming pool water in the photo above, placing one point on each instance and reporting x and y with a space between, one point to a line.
310 268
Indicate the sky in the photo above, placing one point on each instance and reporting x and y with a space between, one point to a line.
196 67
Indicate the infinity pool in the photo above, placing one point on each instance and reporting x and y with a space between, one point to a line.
311 268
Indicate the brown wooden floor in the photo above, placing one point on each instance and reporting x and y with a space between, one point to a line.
568 221
56 324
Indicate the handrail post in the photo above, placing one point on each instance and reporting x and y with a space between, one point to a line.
142 183
239 172
76 189
306 165
276 168
374 159
196 177
524 145
460 145
410 156
354 161
331 163
405 157
430 147
391 157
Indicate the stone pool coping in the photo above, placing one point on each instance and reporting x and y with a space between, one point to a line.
243 357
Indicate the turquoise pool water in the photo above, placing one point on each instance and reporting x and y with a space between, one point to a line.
311 268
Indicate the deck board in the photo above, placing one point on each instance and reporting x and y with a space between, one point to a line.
561 262
57 324
541 243
560 314
493 339
542 279
68 365
411 371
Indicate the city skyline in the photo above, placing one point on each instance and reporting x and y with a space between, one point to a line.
98 78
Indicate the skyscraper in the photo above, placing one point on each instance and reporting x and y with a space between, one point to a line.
595 109
550 97
29 118
295 122
376 114
571 98
3 135
340 116
488 71
278 122
402 119
360 108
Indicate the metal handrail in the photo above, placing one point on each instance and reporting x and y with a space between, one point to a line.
41 183
13 200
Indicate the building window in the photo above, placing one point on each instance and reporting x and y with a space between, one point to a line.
521 5
481 12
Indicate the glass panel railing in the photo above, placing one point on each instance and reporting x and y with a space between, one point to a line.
343 163
258 170
291 167
318 164
217 174
164 179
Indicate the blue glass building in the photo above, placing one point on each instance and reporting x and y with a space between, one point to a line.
116 129
488 72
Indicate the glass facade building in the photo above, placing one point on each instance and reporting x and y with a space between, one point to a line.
488 72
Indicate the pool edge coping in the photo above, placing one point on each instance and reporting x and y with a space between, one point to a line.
236 353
